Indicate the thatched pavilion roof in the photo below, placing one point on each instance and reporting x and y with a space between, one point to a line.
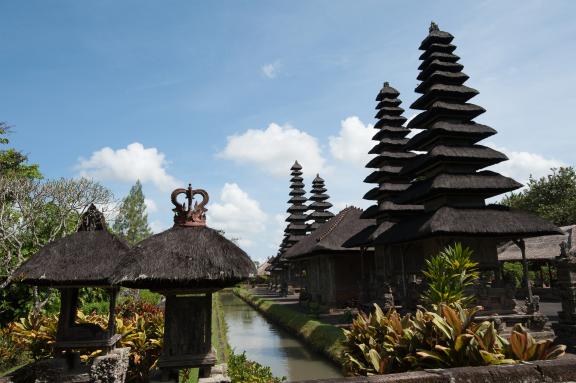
85 258
539 248
330 236
491 221
184 257
187 256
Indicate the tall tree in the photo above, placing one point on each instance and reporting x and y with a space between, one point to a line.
132 220
13 162
552 197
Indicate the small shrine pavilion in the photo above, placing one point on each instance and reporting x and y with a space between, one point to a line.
186 263
86 258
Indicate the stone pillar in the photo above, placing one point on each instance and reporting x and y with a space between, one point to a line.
566 268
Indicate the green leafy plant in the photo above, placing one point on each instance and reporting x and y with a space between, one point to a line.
140 324
448 274
243 370
381 343
523 346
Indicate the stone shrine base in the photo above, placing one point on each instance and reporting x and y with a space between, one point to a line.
217 375
109 368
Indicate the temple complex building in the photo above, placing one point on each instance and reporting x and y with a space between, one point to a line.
334 274
447 177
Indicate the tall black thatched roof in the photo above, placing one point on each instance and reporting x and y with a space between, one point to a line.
85 258
447 179
330 236
184 257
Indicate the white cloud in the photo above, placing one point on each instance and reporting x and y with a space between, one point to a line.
353 142
151 206
523 164
237 214
275 149
270 70
129 165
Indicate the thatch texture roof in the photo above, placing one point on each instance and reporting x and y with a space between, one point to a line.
331 235
184 257
84 258
492 221
539 248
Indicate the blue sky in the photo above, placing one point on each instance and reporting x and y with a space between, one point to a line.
227 94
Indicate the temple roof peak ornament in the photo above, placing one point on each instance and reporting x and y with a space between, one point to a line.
433 27
190 213
92 220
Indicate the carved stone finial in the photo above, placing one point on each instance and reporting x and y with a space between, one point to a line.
92 220
433 27
386 84
191 213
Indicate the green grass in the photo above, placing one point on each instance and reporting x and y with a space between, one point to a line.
219 330
320 336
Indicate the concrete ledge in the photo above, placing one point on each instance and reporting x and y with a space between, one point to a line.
561 370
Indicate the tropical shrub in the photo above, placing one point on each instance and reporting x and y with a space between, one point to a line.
140 324
10 354
243 370
381 343
524 347
448 274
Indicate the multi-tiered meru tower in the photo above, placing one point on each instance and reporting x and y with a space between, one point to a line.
447 179
320 205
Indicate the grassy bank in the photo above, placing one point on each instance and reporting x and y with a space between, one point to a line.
219 330
322 337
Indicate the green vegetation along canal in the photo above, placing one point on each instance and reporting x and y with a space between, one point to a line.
270 345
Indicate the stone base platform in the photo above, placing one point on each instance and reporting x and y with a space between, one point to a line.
109 368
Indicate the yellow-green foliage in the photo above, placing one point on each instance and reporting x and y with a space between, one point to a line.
381 343
322 337
243 370
141 327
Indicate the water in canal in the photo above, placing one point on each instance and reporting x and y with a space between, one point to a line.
271 346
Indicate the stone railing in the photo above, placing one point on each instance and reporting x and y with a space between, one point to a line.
559 370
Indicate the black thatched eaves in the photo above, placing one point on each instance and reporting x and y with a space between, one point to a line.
446 179
85 258
297 226
319 205
184 258
331 235
489 222
485 184
391 156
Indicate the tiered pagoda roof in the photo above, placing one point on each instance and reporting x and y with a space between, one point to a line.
297 219
391 156
447 179
319 205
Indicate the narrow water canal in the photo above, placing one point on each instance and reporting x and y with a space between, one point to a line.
271 346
